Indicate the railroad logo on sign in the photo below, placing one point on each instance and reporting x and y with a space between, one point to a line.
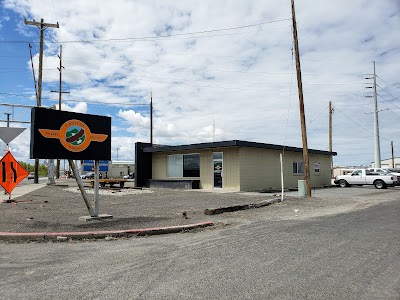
74 135
11 172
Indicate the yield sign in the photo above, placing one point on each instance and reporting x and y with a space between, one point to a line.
11 172
7 134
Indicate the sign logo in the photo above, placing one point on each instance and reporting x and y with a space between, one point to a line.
11 172
74 135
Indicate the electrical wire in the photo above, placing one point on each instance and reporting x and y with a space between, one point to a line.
388 84
389 100
151 38
318 114
364 127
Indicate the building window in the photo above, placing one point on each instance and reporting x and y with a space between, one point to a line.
298 167
191 165
317 168
183 165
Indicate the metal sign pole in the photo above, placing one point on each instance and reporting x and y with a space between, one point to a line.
96 188
81 188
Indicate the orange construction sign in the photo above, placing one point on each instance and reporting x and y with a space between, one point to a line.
11 172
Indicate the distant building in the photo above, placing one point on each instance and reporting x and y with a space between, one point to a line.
387 163
229 165
119 169
110 169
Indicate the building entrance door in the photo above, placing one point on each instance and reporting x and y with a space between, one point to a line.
218 169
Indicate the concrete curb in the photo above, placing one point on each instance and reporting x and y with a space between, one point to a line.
60 236
215 211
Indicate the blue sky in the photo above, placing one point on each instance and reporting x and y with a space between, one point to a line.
227 63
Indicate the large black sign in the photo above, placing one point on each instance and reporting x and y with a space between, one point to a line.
67 135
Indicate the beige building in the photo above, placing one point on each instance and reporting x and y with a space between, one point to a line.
230 165
389 163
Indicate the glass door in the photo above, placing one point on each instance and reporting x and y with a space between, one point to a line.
218 169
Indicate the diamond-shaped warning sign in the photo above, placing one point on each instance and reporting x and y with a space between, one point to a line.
11 172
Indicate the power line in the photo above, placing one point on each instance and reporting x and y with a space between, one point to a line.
363 126
318 114
386 91
161 36
74 100
213 80
389 100
388 84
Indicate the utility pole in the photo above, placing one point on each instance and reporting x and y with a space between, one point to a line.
151 117
42 27
117 153
376 127
392 155
60 92
301 103
376 123
330 133
8 125
330 126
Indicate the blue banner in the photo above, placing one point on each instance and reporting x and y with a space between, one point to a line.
88 165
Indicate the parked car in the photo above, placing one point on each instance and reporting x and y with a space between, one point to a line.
90 175
366 177
31 176
385 171
130 176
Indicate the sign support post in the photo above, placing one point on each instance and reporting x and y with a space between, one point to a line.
81 188
96 188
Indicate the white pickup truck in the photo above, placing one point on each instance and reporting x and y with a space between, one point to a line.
366 177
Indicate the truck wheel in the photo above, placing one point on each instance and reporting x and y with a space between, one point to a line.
343 183
379 184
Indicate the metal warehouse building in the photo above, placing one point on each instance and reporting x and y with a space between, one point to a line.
229 165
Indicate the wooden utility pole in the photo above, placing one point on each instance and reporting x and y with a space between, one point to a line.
42 27
392 155
60 92
330 134
330 126
301 102
151 117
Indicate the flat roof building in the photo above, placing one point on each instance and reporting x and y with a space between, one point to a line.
229 165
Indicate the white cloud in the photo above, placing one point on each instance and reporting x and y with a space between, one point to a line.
78 108
245 77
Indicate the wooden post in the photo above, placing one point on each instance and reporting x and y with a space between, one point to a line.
301 103
42 26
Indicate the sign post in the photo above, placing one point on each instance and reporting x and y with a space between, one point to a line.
96 187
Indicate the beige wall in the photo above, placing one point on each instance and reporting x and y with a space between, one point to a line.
160 167
230 169
260 169
249 169
230 175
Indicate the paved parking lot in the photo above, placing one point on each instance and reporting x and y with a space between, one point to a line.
59 208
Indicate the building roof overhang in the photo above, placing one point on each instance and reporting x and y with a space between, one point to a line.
230 144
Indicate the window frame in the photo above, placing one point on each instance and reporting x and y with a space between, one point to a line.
299 165
181 164
317 170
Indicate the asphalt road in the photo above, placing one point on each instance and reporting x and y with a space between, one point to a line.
354 255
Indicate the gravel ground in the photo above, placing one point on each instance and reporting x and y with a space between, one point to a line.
59 208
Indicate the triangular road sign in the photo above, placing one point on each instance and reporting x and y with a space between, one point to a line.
11 172
7 134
